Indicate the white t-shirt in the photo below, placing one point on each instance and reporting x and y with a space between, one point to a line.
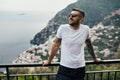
72 45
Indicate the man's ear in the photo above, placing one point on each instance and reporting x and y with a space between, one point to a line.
81 20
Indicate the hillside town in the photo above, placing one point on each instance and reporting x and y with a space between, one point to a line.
36 54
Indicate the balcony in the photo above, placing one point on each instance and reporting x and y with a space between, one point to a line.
91 74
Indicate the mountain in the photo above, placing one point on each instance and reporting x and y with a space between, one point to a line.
110 32
103 17
96 11
112 19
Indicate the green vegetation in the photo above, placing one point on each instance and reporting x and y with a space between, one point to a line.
42 70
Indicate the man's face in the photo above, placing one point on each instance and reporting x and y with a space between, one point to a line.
74 18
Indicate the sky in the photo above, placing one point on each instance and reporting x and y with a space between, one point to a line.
20 20
35 10
34 5
29 6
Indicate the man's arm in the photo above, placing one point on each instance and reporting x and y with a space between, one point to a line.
90 48
91 51
54 49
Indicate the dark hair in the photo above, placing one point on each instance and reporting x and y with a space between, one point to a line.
80 11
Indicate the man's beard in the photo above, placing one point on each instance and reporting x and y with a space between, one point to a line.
74 23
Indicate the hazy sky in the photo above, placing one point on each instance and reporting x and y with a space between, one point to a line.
20 20
34 10
49 6
34 5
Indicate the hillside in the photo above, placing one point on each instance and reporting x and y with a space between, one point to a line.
110 32
103 16
96 11
105 37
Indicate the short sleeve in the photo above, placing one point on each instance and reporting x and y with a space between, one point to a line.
88 32
59 32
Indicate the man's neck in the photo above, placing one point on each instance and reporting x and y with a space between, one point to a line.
75 27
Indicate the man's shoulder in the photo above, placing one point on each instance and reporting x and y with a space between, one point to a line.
63 26
85 26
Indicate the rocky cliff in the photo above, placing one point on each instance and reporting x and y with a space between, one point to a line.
96 11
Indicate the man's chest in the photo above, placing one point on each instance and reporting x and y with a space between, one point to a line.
74 37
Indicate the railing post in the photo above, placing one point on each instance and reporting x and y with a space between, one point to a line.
48 77
115 76
108 75
94 76
7 71
101 75
17 77
87 76
25 77
40 77
32 77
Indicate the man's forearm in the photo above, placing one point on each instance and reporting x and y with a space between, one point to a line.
54 49
91 51
90 48
52 53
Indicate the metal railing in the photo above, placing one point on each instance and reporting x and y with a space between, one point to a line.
90 75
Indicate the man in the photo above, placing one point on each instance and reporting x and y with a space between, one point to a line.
72 37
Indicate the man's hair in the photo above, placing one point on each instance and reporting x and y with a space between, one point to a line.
80 11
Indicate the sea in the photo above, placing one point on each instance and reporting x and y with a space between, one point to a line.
17 28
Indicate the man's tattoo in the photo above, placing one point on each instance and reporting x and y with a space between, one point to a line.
90 48
57 40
